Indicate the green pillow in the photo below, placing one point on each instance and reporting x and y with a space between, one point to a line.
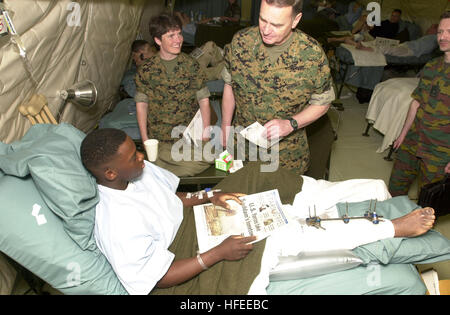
32 235
428 248
50 154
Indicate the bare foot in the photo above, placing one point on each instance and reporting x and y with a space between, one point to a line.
415 223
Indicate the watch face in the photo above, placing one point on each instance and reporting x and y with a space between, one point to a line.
294 123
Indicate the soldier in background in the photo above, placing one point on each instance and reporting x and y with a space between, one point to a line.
233 12
280 77
424 142
141 50
210 58
171 87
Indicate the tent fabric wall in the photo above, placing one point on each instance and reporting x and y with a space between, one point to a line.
62 52
152 8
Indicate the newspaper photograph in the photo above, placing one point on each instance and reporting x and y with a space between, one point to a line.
260 214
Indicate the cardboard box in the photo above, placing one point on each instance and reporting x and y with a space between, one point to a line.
224 162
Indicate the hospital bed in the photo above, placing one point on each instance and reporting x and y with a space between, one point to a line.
388 108
368 77
44 186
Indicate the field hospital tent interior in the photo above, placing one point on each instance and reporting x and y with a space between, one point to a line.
53 46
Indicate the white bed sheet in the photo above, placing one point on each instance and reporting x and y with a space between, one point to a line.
389 106
364 58
313 193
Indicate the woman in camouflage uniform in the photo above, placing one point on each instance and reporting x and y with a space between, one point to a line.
170 88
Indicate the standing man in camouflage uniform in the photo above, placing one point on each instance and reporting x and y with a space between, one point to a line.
171 87
280 77
424 142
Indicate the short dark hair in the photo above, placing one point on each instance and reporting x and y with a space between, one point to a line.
445 15
297 5
397 10
100 146
138 44
163 23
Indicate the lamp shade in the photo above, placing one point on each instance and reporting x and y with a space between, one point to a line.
82 94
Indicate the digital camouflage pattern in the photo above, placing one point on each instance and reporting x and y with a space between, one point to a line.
172 98
210 58
426 149
264 90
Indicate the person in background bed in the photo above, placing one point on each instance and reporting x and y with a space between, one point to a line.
141 50
424 142
140 213
360 32
347 20
418 47
388 28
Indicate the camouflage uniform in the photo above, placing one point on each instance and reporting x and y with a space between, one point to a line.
264 90
172 97
210 58
426 148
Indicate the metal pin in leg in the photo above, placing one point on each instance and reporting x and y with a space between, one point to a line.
367 214
345 217
372 216
375 217
315 220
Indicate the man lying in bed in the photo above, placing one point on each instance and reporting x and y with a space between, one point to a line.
140 215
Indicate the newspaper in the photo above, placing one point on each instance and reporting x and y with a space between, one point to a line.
260 214
256 133
382 42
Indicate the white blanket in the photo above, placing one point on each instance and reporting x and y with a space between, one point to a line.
338 235
364 58
389 106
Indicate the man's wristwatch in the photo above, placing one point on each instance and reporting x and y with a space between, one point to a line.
294 123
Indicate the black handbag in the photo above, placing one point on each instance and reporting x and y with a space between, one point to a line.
437 196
